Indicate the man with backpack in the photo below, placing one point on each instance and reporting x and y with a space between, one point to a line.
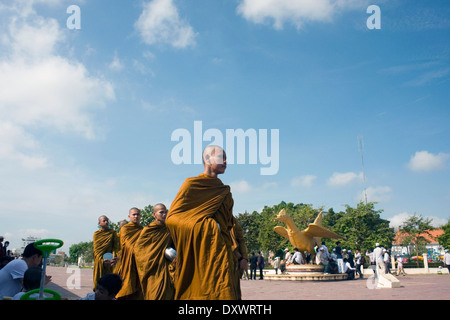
360 260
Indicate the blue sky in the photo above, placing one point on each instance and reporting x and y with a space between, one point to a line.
86 115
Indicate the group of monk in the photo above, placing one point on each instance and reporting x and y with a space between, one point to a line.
211 254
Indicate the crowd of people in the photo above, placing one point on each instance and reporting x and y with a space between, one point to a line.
5 254
341 260
194 252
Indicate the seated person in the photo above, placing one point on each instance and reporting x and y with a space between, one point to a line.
31 281
107 288
349 269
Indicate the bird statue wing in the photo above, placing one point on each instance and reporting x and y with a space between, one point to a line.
281 231
314 230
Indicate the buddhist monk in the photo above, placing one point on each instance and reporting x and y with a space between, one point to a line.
200 221
105 241
126 266
240 250
154 269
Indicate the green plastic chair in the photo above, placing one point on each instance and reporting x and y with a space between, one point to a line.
27 296
46 246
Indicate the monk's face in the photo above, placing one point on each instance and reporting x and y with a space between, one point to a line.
218 161
103 222
135 216
160 213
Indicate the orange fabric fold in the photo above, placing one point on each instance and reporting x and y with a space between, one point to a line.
152 266
126 266
104 241
200 220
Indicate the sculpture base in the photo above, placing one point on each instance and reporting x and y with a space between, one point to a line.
305 272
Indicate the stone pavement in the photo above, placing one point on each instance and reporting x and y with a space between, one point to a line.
73 283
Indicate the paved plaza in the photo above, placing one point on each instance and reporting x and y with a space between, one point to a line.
73 283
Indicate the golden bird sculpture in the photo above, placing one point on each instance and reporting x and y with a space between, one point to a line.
304 240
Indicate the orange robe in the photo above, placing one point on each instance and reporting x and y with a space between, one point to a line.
154 269
104 241
239 246
126 266
205 264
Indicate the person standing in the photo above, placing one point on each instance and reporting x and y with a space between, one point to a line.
447 260
400 269
379 261
386 259
339 257
126 266
200 221
260 265
276 264
253 266
153 267
359 259
105 240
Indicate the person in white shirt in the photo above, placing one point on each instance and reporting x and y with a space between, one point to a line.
287 255
400 266
379 262
447 260
297 258
11 276
359 263
349 270
386 261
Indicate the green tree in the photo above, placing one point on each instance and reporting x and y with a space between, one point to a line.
444 239
414 230
250 224
147 215
361 227
82 249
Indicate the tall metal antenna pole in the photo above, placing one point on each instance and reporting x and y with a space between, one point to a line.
361 145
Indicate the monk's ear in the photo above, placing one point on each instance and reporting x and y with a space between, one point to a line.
207 158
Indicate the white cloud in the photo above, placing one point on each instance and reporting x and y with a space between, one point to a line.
240 186
160 22
397 220
376 194
41 89
303 181
16 145
116 64
426 161
339 179
296 12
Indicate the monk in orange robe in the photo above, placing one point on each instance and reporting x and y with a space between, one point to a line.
200 221
126 266
241 252
154 269
105 241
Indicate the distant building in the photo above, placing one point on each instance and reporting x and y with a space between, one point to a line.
433 247
25 241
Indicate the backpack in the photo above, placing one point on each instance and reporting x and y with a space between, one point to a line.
362 260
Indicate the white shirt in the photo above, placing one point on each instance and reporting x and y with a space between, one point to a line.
358 258
347 267
10 278
378 254
325 250
297 257
447 258
287 256
89 296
